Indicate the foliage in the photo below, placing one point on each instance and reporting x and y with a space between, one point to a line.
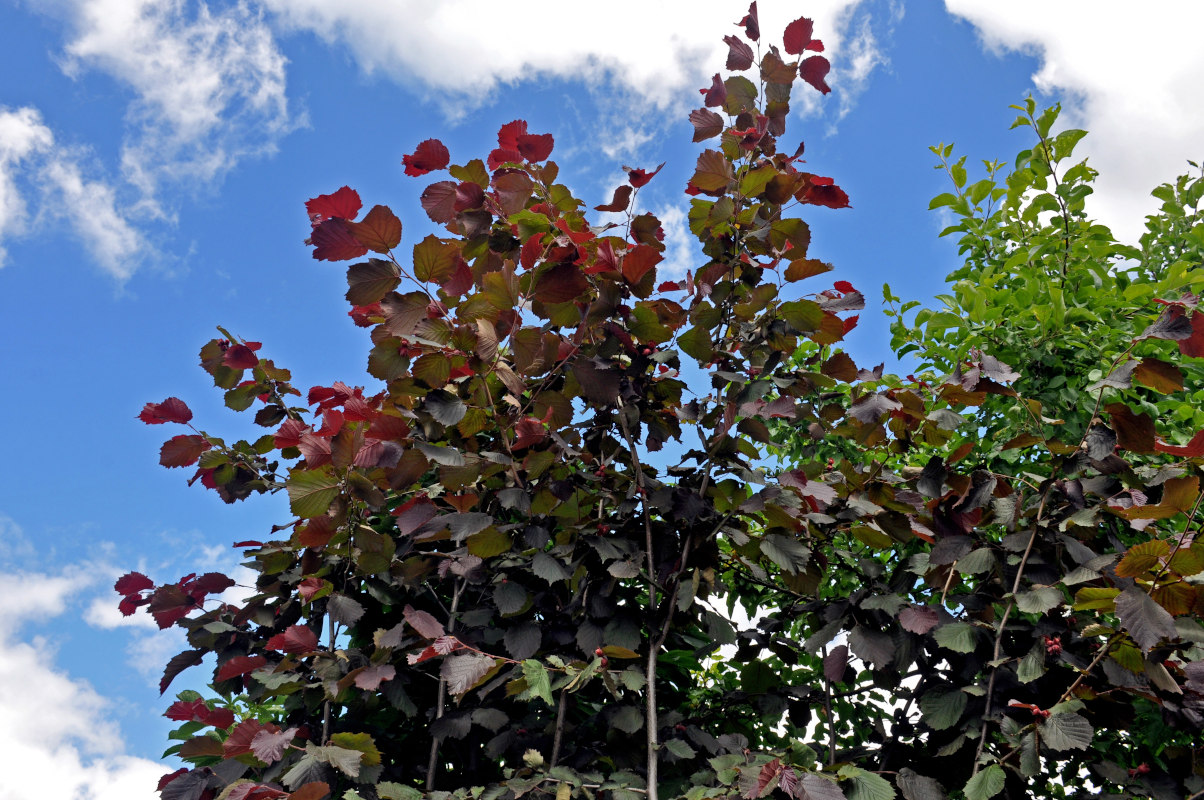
490 589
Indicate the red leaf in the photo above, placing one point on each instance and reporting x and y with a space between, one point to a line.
1192 449
469 195
333 241
370 678
439 201
503 155
380 230
739 54
638 177
1193 345
507 136
181 451
209 583
530 431
217 717
535 146
242 356
716 95
343 204
289 433
239 741
239 665
752 26
256 791
843 286
618 203
170 410
132 583
706 124
638 261
427 626
182 711
297 639
797 37
177 664
171 776
560 284
850 323
314 790
428 156
268 746
813 70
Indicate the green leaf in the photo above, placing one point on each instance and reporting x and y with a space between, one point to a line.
538 683
915 786
680 748
960 637
866 785
1066 732
986 784
942 708
435 259
1040 600
310 492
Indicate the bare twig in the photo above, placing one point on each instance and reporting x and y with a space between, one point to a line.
432 762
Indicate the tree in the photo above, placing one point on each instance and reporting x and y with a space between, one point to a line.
491 590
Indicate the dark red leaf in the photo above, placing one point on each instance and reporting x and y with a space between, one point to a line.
182 451
797 37
132 583
843 286
380 230
241 356
813 70
836 662
716 95
706 124
427 626
238 743
560 284
209 583
739 54
289 434
297 639
1193 345
169 777
507 136
314 790
256 791
618 203
185 711
752 26
439 201
343 204
638 177
428 156
217 717
638 261
239 665
1134 432
172 409
333 241
535 146
370 678
469 195
178 664
268 746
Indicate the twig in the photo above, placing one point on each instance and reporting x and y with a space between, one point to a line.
828 712
433 761
559 735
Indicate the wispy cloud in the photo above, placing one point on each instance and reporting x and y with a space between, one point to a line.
42 181
1131 75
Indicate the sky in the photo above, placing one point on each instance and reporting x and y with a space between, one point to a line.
155 156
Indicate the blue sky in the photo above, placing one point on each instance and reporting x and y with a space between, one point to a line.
155 156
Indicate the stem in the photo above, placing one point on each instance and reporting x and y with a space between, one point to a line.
559 735
432 762
828 713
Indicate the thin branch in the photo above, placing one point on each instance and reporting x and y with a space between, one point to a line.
559 735
432 762
828 712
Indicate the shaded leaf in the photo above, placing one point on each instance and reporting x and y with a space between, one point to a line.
462 671
915 786
379 230
1146 621
370 281
706 124
1066 732
295 639
986 784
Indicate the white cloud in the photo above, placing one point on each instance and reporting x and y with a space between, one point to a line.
681 248
462 51
1131 75
209 85
55 727
33 164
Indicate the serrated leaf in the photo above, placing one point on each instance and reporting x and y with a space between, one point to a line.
548 567
538 682
986 784
815 787
370 281
509 597
789 554
1066 732
1040 600
713 172
379 230
1144 620
960 637
866 785
680 748
915 786
462 671
628 719
942 708
310 492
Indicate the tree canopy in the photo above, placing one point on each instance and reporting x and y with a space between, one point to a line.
595 533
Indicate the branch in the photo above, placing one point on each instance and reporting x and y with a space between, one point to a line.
432 762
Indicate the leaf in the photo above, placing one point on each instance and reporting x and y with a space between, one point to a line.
813 70
239 665
182 451
560 283
1170 325
918 619
315 790
428 156
739 54
915 786
750 22
342 204
943 708
1142 557
638 261
548 567
816 787
132 583
798 37
177 664
1193 346
960 637
1159 375
1146 621
523 641
380 230
1134 432
620 201
985 784
1067 731
599 382
173 409
462 671
294 639
370 281
268 746
1040 600
871 408
344 610
333 241
423 623
706 124
713 171
446 408
310 492
873 646
434 261
370 678
786 552
538 682
1193 449
307 770
866 785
